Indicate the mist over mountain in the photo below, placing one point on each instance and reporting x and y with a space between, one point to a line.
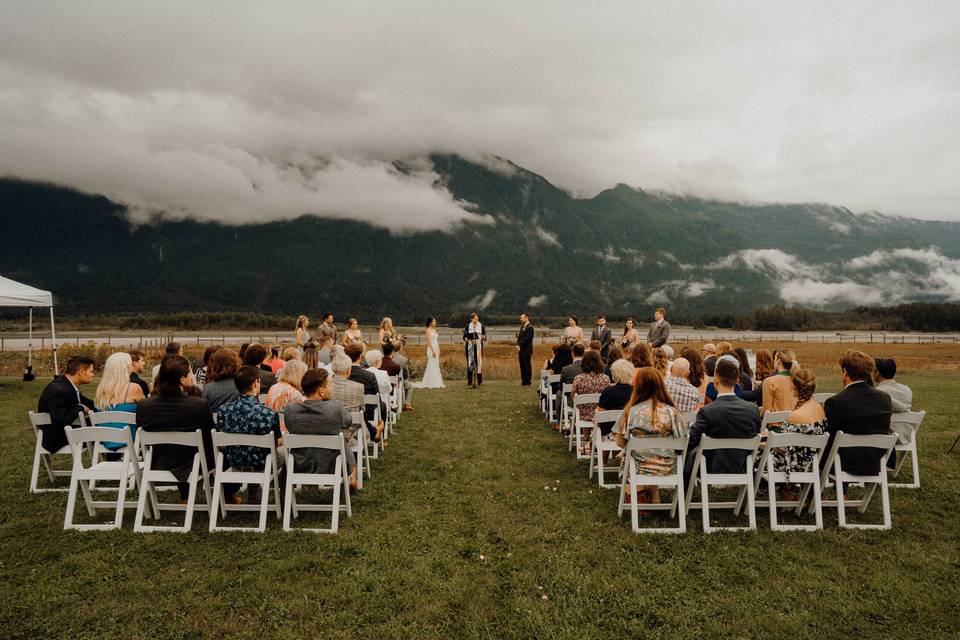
526 244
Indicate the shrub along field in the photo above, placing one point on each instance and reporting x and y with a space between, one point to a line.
478 523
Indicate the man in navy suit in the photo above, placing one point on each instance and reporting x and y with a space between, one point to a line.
726 417
860 409
63 401
525 349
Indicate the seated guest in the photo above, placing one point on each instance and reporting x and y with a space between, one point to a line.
172 349
404 363
371 387
561 358
807 418
709 355
650 413
173 410
548 363
247 416
139 362
617 395
287 390
274 361
254 357
660 361
202 371
220 387
309 355
686 397
592 380
641 355
763 369
859 409
778 392
594 345
342 388
61 398
613 354
727 417
387 363
319 415
901 396
374 359
117 393
325 354
572 370
698 372
746 373
712 392
290 353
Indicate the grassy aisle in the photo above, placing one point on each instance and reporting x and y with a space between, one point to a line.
456 536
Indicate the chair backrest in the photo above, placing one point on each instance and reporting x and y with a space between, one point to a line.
641 443
875 441
38 420
98 418
772 417
262 441
747 444
907 423
610 415
82 435
815 441
182 438
586 398
567 389
356 417
371 399
302 441
822 397
690 417
555 378
394 380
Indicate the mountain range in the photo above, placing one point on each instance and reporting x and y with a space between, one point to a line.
623 251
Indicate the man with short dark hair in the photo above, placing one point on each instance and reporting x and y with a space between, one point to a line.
139 362
371 387
387 363
859 409
575 368
659 330
254 357
726 417
603 335
61 398
327 329
901 396
172 349
525 349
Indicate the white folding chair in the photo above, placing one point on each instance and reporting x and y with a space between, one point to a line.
552 397
706 479
543 389
809 479
690 417
374 446
117 471
270 476
576 437
199 473
820 398
566 390
773 417
393 407
338 480
41 455
906 425
102 419
632 479
885 444
602 446
359 447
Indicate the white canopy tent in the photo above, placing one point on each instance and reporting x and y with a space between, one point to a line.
16 294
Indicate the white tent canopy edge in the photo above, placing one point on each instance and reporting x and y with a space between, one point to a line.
17 294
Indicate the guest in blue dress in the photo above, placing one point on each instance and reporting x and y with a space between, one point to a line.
117 393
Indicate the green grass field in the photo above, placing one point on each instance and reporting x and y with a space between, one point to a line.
456 536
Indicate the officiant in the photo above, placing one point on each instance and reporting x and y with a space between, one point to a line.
474 335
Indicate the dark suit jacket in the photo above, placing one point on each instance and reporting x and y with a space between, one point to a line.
370 388
605 338
177 413
59 399
322 418
140 383
525 339
267 380
571 371
859 409
725 417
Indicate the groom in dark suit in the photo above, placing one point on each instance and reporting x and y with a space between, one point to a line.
603 335
525 349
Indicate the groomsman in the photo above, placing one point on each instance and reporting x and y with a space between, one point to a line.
603 335
659 329
525 349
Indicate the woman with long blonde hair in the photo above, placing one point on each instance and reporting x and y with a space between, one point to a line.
116 393
287 390
303 330
386 333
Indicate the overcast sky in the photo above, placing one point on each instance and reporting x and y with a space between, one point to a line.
254 111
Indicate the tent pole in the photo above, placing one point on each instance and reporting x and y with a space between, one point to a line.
30 344
53 339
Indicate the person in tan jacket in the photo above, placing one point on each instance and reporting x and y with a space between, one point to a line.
778 391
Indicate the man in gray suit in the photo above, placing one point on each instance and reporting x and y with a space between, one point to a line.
603 335
659 329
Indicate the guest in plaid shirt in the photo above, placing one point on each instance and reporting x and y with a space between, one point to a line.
247 415
686 397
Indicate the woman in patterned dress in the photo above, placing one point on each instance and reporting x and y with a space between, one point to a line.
650 413
807 418
592 380
287 390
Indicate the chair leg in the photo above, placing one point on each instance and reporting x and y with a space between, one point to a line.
817 500
885 502
141 505
772 500
36 470
288 506
191 502
841 510
264 502
705 505
751 502
121 498
88 497
71 504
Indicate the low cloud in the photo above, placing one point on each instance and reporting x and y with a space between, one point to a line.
537 301
548 237
482 301
771 261
807 292
607 255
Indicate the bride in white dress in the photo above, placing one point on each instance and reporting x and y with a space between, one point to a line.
432 378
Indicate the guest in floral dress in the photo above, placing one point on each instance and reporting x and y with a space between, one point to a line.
807 418
287 390
650 413
592 380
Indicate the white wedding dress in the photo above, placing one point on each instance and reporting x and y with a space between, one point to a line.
432 378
